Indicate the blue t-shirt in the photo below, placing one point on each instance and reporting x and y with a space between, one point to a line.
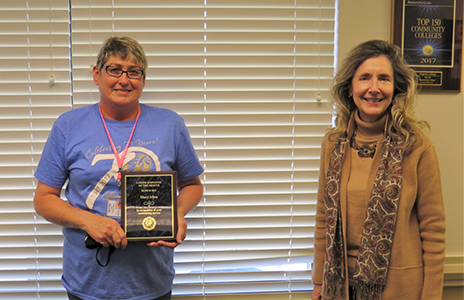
78 151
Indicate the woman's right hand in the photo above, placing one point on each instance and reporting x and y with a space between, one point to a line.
51 207
106 231
316 295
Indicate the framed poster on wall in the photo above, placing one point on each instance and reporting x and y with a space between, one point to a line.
429 32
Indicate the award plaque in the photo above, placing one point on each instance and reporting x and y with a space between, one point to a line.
148 205
430 36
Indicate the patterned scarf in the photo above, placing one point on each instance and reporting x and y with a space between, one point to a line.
378 229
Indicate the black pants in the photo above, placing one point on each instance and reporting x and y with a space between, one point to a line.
165 297
352 293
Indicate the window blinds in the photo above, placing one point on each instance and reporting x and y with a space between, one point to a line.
245 76
34 91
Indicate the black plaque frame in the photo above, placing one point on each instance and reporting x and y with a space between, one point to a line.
423 30
149 206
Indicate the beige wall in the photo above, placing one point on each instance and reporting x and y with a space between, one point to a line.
361 20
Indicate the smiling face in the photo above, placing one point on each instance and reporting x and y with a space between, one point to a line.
119 96
372 88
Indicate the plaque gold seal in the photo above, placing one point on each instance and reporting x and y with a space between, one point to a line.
149 223
427 50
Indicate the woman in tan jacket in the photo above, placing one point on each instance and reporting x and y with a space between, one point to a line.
380 224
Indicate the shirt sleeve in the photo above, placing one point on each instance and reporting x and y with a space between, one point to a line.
51 169
187 163
320 231
431 217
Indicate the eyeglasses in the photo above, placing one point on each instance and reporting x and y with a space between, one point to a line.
117 72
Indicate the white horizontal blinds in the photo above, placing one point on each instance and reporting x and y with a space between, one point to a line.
245 76
34 48
265 63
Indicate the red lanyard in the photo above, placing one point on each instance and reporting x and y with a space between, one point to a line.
119 159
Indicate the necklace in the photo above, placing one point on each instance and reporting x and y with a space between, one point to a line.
364 150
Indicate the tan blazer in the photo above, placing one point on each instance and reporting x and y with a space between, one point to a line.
417 261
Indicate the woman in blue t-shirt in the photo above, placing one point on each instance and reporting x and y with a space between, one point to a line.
88 148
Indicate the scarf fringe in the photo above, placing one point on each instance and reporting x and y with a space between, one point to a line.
365 291
333 284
